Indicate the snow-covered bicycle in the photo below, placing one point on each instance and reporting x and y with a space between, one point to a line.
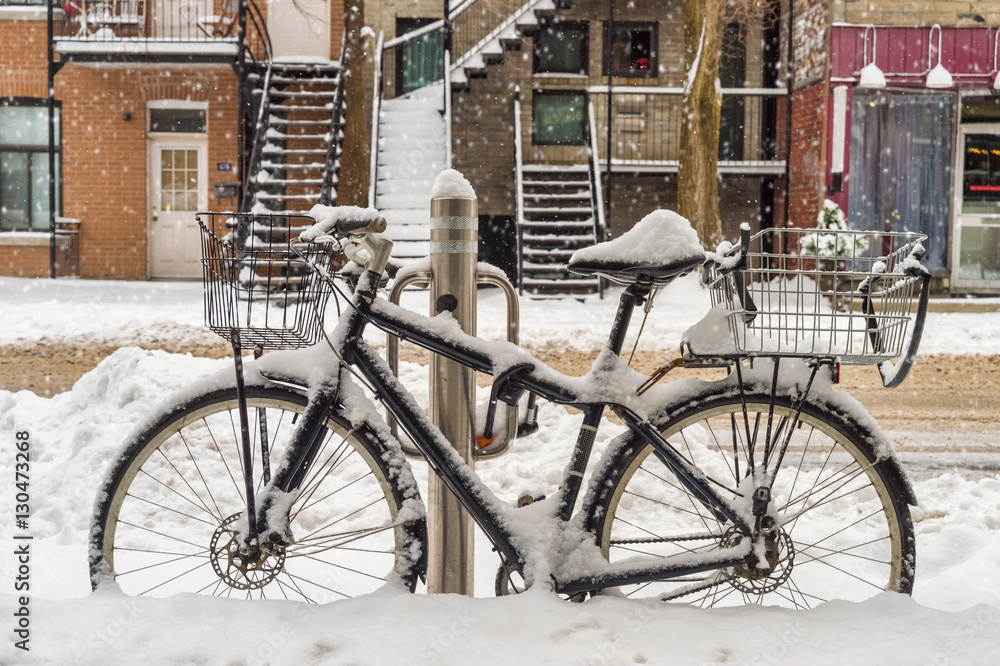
767 486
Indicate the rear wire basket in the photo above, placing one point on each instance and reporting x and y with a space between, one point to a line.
260 292
821 293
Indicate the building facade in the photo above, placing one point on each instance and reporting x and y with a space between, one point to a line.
906 96
554 105
151 104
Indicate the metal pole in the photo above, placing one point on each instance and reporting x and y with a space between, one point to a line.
52 147
610 55
454 253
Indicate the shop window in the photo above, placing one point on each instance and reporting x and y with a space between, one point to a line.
558 117
901 161
24 164
633 50
561 47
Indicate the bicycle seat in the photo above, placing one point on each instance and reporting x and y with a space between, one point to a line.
659 248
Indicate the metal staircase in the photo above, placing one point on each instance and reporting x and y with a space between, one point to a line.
298 137
411 153
556 220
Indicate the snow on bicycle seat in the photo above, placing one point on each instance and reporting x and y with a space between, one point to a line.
659 248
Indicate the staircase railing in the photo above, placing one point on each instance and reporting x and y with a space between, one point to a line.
255 40
596 188
331 174
259 139
519 194
376 111
476 23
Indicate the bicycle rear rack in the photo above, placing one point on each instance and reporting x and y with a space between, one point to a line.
422 280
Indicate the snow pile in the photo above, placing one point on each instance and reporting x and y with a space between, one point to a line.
954 616
452 184
661 237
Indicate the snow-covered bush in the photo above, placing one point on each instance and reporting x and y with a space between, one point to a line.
832 245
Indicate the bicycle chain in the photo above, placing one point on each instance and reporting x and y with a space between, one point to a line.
696 537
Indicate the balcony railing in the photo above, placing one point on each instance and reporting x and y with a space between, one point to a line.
93 25
646 128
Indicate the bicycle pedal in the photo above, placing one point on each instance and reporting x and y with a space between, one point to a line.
525 429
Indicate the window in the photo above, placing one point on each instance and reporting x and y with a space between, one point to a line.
174 119
633 50
24 164
732 74
901 156
557 117
40 3
421 60
561 47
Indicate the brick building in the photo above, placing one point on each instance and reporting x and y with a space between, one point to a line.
896 119
532 128
154 106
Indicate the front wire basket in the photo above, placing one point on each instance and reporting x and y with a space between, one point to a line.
261 292
811 293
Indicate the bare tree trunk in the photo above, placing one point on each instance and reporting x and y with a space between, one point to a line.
697 179
358 69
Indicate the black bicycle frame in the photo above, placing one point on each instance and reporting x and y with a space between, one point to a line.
460 479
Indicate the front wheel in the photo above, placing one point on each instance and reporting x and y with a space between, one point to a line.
169 512
841 523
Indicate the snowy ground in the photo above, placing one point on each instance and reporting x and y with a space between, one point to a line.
953 617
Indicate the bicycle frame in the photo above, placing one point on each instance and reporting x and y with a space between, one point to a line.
490 513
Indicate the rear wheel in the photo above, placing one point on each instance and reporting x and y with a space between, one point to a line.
167 519
842 525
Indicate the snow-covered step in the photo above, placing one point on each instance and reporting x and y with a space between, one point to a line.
288 181
305 122
303 94
293 108
415 200
411 216
411 152
316 80
278 150
408 232
410 250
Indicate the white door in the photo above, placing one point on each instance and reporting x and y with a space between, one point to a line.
177 171
976 238
299 28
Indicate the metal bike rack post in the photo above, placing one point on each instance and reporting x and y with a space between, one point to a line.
454 252
422 280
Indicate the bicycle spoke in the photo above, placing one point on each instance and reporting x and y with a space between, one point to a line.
222 456
194 461
167 508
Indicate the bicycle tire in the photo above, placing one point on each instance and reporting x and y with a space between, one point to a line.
163 521
637 507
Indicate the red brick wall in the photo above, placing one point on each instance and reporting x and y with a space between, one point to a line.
23 58
808 155
104 156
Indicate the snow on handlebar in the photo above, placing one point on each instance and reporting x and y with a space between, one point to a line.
343 220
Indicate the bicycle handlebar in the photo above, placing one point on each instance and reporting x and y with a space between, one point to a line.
342 220
349 226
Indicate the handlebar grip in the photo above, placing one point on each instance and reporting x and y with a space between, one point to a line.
366 225
744 239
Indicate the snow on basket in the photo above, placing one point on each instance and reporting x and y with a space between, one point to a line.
847 297
260 291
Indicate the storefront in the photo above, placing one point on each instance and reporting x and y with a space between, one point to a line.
914 136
